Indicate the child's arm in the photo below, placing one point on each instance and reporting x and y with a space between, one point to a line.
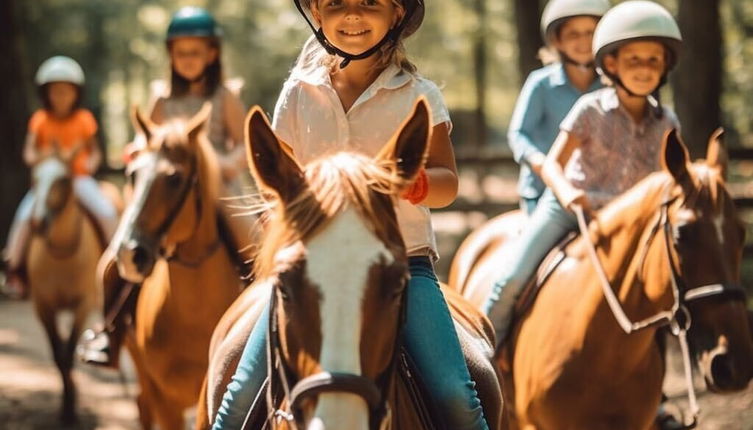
441 171
235 160
554 172
526 117
30 154
95 154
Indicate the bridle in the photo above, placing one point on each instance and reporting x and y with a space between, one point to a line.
173 255
678 317
283 386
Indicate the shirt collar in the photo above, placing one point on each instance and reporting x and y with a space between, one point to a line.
391 78
558 77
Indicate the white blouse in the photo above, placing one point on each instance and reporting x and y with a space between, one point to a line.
310 118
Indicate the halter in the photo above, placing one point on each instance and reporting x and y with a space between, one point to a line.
678 318
392 36
374 393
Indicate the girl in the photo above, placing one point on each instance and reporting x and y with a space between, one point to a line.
60 125
193 43
609 141
352 92
550 92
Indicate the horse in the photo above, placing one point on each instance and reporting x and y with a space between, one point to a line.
333 268
61 263
671 248
169 240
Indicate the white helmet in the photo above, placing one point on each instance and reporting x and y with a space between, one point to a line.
60 69
636 20
557 11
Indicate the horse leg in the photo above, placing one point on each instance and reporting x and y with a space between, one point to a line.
47 317
168 415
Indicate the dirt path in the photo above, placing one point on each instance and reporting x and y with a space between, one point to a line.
29 386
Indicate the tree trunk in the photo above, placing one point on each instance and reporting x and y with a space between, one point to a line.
697 80
527 17
13 115
479 63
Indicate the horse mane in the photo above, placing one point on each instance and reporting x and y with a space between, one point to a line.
708 186
333 184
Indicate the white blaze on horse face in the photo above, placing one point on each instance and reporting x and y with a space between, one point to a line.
719 224
338 263
45 174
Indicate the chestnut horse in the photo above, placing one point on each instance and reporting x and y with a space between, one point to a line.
169 241
671 248
335 266
61 262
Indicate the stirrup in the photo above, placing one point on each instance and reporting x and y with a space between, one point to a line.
94 348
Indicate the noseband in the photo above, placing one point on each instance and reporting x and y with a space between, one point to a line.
374 392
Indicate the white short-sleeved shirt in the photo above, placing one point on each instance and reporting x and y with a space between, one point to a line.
310 118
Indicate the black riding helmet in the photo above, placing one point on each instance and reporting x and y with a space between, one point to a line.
414 16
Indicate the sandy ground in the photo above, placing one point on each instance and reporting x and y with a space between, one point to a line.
30 386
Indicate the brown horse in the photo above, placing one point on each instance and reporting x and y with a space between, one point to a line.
335 266
169 241
61 263
671 249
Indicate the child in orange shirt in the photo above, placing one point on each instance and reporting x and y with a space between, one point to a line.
61 125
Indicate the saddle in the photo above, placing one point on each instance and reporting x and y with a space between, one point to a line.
546 268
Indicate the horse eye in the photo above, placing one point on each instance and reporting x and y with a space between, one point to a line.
174 179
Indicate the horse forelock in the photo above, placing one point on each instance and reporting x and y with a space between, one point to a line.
333 184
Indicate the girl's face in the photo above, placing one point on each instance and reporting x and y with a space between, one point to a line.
639 65
62 97
190 56
355 26
574 38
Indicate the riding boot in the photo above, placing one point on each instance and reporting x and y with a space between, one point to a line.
101 347
16 284
665 420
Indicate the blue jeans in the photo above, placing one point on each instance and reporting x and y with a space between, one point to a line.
528 205
430 339
546 226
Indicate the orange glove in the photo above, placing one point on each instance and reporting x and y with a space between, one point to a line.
418 191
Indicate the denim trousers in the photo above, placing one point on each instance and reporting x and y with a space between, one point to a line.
430 339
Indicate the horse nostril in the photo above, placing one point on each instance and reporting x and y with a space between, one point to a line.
723 373
141 258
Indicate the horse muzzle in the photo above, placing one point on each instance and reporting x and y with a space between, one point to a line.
724 371
135 260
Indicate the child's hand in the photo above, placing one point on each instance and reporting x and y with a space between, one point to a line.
418 190
578 198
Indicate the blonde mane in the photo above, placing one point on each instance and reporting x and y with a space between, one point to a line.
332 185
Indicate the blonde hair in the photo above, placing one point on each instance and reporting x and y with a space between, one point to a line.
314 55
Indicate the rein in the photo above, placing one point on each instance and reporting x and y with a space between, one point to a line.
678 318
279 374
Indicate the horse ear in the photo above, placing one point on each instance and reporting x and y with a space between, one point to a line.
675 157
198 122
716 154
141 124
409 147
270 160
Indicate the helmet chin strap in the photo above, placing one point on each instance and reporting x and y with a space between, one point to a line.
653 98
391 37
568 60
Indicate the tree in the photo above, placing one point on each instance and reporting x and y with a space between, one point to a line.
527 16
13 115
697 80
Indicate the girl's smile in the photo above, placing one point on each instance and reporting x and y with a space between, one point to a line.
354 26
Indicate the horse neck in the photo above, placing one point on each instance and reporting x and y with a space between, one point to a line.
205 233
636 264
64 230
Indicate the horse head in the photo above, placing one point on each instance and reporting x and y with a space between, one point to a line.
334 252
52 180
707 238
168 174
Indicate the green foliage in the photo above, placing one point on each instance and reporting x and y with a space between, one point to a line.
120 44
